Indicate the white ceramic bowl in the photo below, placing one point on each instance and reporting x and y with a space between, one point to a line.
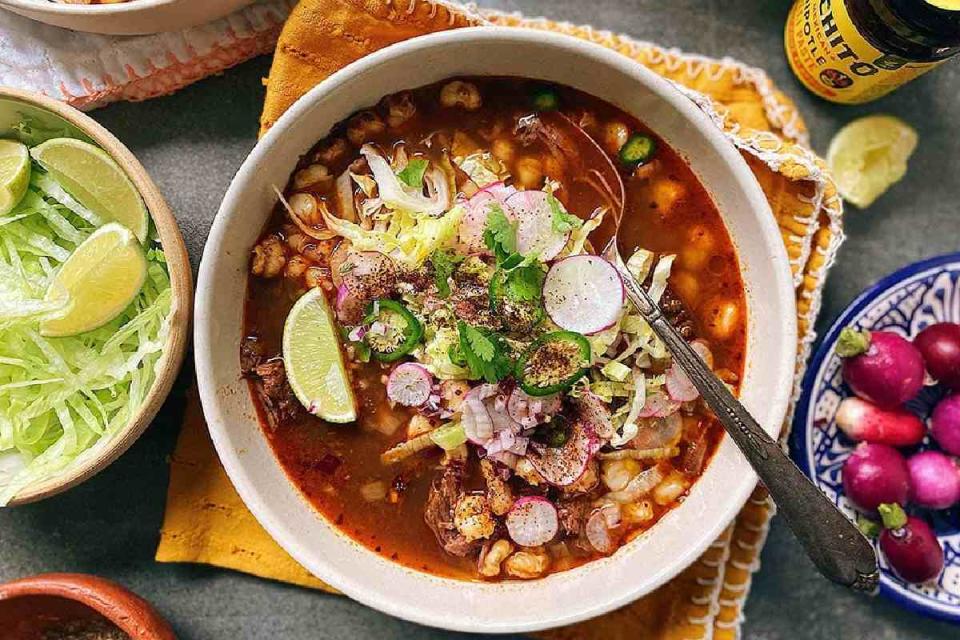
639 567
126 18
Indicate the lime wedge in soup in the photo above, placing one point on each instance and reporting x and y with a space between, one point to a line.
97 282
14 174
869 155
95 180
314 362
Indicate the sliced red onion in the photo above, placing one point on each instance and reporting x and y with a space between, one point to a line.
583 293
409 384
529 411
536 234
342 293
476 420
595 412
564 465
356 334
532 521
599 528
679 386
658 405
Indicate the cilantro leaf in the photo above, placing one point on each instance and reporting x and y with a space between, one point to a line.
444 264
563 222
524 283
485 351
500 235
412 174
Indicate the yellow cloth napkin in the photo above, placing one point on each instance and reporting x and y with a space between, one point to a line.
206 520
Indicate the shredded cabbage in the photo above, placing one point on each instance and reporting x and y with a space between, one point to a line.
661 273
407 237
482 168
578 237
62 399
435 355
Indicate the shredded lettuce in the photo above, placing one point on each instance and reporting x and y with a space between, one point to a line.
661 273
62 399
578 237
482 168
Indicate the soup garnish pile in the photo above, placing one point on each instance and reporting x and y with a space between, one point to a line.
461 385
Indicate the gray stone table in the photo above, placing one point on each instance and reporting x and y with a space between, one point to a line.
193 142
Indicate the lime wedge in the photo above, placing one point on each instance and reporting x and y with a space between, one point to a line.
869 155
97 282
14 174
92 177
314 363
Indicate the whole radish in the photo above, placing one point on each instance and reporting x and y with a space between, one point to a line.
880 366
875 474
934 480
939 344
910 545
863 421
945 424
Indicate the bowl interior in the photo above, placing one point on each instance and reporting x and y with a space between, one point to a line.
54 119
561 598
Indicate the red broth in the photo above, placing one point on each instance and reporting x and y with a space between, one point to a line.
667 211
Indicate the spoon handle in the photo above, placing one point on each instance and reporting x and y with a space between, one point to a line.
834 543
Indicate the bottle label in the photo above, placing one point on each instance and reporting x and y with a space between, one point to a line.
830 56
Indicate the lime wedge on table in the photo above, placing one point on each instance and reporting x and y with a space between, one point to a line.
14 174
95 180
97 282
869 155
314 363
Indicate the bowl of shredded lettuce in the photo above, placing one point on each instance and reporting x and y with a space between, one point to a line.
70 405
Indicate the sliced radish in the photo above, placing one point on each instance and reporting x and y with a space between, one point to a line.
658 405
535 230
499 190
564 465
583 293
474 221
532 521
600 527
409 384
679 386
528 411
595 412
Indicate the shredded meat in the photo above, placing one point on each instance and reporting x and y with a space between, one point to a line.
499 495
270 379
573 514
442 498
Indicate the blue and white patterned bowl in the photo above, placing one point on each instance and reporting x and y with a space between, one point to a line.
905 302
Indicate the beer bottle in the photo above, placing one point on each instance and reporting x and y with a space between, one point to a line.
854 51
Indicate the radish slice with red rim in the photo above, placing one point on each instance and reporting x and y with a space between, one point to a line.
532 521
679 386
536 235
562 466
409 384
499 190
477 210
600 527
583 293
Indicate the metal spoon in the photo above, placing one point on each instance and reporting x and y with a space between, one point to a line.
836 546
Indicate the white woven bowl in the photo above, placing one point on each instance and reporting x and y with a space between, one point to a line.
639 567
126 18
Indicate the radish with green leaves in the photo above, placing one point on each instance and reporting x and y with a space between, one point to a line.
880 366
910 545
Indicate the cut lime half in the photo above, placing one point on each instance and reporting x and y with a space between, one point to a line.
314 362
95 180
97 282
869 155
14 174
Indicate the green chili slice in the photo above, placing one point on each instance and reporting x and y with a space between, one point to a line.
401 331
637 150
545 99
553 363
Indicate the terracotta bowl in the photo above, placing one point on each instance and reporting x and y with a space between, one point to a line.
13 105
85 596
135 17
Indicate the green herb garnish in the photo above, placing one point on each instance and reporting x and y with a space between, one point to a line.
412 174
444 264
485 351
563 222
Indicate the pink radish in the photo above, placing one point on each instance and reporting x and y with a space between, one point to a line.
532 521
910 545
499 190
934 480
583 293
474 221
880 366
945 424
564 465
600 527
679 386
860 420
409 384
536 234
875 474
